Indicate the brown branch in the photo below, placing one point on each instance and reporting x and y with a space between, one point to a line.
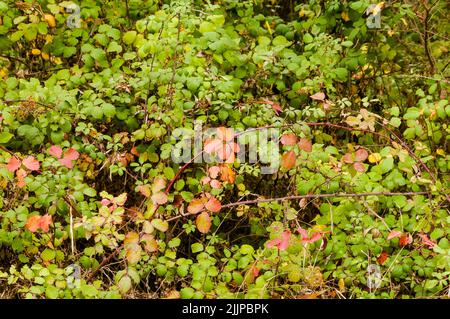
312 196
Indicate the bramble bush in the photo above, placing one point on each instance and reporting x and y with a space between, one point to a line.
101 99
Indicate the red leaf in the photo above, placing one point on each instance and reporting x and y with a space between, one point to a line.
318 96
361 155
288 160
426 241
55 150
71 154
303 232
288 139
305 145
215 184
394 234
225 134
359 167
382 258
13 164
31 163
285 237
347 158
212 146
282 242
213 205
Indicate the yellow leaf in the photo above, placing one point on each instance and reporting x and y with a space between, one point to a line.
344 16
341 285
440 151
203 222
50 19
374 158
35 51
45 56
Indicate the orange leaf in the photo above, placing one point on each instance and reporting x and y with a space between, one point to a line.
31 163
213 205
45 222
20 174
288 160
13 164
227 174
196 205
305 145
225 134
150 244
203 222
71 154
33 223
288 139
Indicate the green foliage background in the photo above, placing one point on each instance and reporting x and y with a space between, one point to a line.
115 89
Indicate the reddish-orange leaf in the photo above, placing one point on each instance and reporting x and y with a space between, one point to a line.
33 223
196 205
347 158
45 222
305 145
71 154
382 258
318 96
288 160
13 164
203 222
213 205
361 155
405 239
55 150
134 151
288 139
31 163
359 167
225 134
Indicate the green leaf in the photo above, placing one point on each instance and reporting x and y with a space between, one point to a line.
5 137
129 37
124 284
186 293
48 254
160 224
90 192
196 247
89 291
51 292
